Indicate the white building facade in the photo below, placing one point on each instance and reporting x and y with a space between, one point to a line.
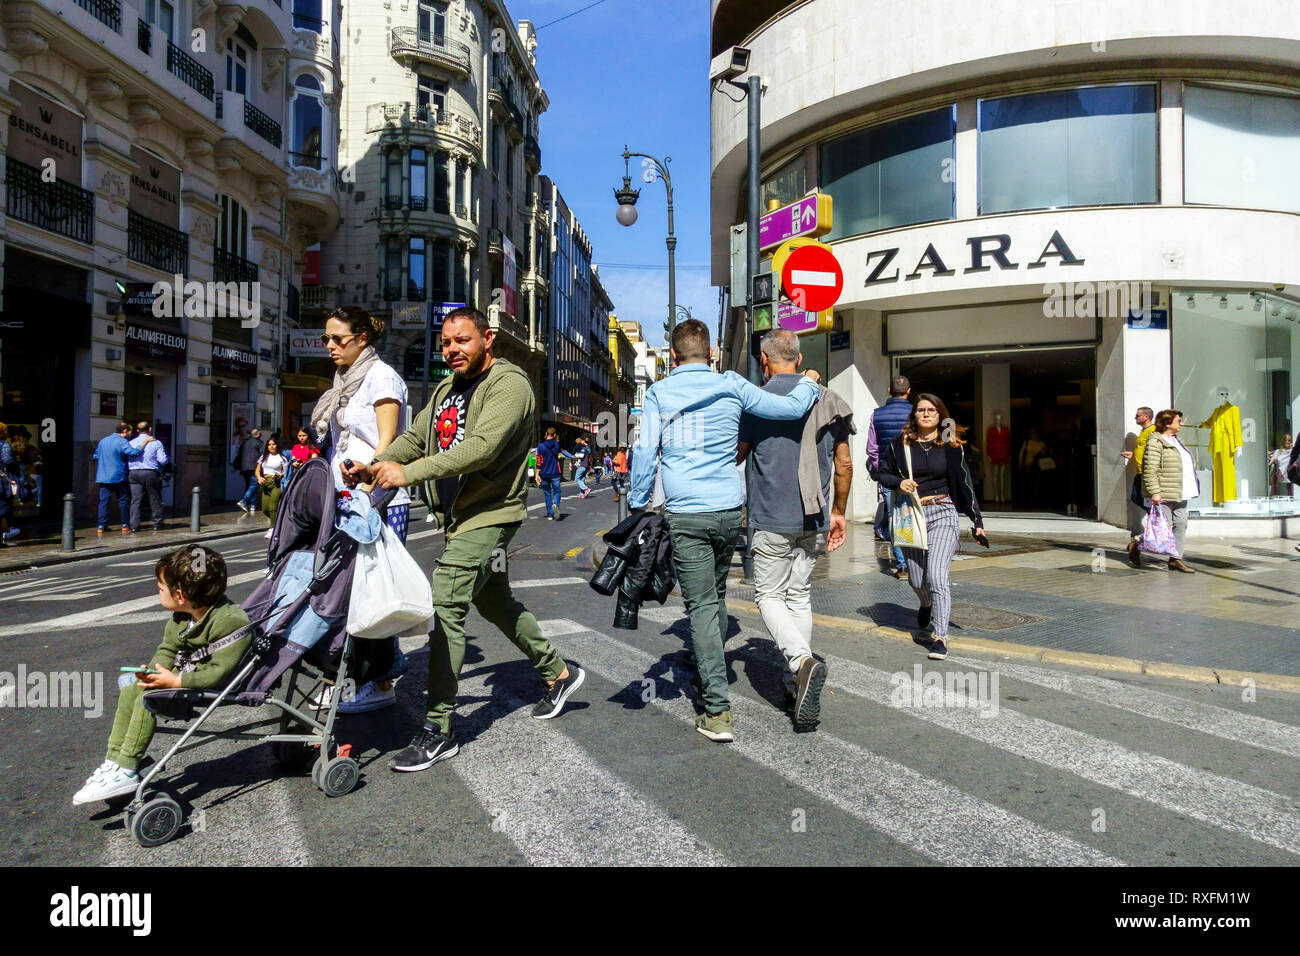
1050 211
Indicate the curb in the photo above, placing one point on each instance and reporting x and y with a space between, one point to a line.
1045 655
589 558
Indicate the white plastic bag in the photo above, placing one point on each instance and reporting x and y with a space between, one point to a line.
390 593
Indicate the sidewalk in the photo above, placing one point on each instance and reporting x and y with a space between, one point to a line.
1075 599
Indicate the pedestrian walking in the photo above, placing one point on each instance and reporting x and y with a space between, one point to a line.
607 467
111 456
1280 484
475 434
887 423
549 454
621 471
582 451
250 450
793 514
304 449
1144 419
927 460
145 475
1029 462
272 468
360 415
1169 478
689 433
8 498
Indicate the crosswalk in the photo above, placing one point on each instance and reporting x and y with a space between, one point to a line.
560 792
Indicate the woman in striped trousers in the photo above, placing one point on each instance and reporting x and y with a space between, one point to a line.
928 460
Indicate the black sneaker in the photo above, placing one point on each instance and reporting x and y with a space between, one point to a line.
923 615
428 747
551 705
938 650
808 692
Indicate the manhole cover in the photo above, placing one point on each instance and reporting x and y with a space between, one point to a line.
1255 599
965 616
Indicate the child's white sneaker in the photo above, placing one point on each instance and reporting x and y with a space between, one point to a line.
107 784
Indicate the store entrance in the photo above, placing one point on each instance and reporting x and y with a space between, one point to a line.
1046 398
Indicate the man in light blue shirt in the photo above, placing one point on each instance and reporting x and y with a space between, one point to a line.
145 475
111 454
689 429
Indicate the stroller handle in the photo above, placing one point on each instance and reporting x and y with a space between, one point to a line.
385 499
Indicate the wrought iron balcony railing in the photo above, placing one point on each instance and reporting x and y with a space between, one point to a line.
156 244
428 47
144 36
262 125
194 73
533 151
309 160
57 206
108 12
228 267
380 115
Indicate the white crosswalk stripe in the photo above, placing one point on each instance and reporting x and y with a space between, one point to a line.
1194 715
882 793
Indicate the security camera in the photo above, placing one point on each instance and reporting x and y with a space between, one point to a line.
729 64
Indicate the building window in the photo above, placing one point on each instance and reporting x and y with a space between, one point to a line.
460 177
162 15
393 179
510 167
1087 147
441 182
430 98
1241 148
306 15
890 175
237 66
459 276
439 285
432 25
415 270
232 228
785 185
393 269
419 179
308 118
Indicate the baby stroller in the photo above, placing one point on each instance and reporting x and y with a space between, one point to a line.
297 620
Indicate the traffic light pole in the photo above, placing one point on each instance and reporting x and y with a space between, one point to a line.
753 93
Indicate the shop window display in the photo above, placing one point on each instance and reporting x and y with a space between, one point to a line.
1233 355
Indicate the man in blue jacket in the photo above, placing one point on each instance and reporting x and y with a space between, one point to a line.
689 428
887 423
549 453
112 453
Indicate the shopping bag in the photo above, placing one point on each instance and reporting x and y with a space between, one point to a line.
906 516
1158 533
390 593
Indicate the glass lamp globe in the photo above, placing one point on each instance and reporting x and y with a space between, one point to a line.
626 214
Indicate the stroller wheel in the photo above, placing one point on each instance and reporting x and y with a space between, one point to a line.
338 776
156 821
289 755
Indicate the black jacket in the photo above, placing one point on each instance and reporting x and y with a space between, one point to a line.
638 565
893 469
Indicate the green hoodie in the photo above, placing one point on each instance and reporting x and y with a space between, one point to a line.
490 460
185 635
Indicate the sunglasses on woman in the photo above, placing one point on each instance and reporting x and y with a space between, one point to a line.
338 340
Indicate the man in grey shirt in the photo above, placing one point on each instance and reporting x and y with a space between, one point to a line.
793 515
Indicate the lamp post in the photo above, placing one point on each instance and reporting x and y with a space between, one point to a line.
626 215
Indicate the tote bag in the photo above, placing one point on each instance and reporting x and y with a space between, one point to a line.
906 516
390 593
1158 533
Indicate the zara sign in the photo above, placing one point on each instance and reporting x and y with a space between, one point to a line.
995 249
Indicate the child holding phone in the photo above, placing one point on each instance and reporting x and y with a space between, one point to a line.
192 585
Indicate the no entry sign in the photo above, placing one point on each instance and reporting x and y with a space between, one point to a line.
812 278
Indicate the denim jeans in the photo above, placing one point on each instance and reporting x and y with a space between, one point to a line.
578 476
551 488
899 560
121 490
703 546
250 493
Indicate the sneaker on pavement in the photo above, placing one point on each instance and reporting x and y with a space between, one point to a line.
267 535
323 697
106 785
715 726
900 573
938 650
369 698
808 692
551 705
427 747
243 507
11 533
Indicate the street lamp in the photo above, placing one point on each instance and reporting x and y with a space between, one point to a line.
626 215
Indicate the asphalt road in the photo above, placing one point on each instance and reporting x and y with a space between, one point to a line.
1057 767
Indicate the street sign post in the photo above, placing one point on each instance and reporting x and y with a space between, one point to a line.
762 294
810 216
812 278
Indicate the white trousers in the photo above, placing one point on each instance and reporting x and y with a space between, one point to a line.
783 566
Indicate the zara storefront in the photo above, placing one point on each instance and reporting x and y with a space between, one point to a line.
1048 219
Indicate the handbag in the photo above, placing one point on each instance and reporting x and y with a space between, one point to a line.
1158 533
906 516
390 593
1046 464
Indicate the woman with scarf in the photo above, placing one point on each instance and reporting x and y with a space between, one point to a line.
361 415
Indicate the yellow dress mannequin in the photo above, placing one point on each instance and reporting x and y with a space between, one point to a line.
1224 424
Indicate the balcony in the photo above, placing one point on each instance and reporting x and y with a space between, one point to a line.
144 36
411 46
254 120
107 12
194 73
306 160
155 244
495 248
412 118
532 153
57 207
515 127
498 96
228 267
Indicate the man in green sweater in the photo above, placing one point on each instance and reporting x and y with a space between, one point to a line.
469 449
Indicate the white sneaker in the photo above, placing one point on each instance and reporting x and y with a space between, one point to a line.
268 533
322 699
369 698
116 782
243 507
11 533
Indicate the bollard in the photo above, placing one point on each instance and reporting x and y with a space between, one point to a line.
194 509
69 535
622 507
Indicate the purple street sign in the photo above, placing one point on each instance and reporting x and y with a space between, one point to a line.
794 319
797 219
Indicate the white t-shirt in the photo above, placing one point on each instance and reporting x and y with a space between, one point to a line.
273 465
381 382
1191 487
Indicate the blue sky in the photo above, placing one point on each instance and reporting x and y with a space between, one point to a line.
628 71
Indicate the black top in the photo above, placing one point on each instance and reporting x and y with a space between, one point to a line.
929 468
893 469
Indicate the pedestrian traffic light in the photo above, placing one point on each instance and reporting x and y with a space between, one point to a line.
762 292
